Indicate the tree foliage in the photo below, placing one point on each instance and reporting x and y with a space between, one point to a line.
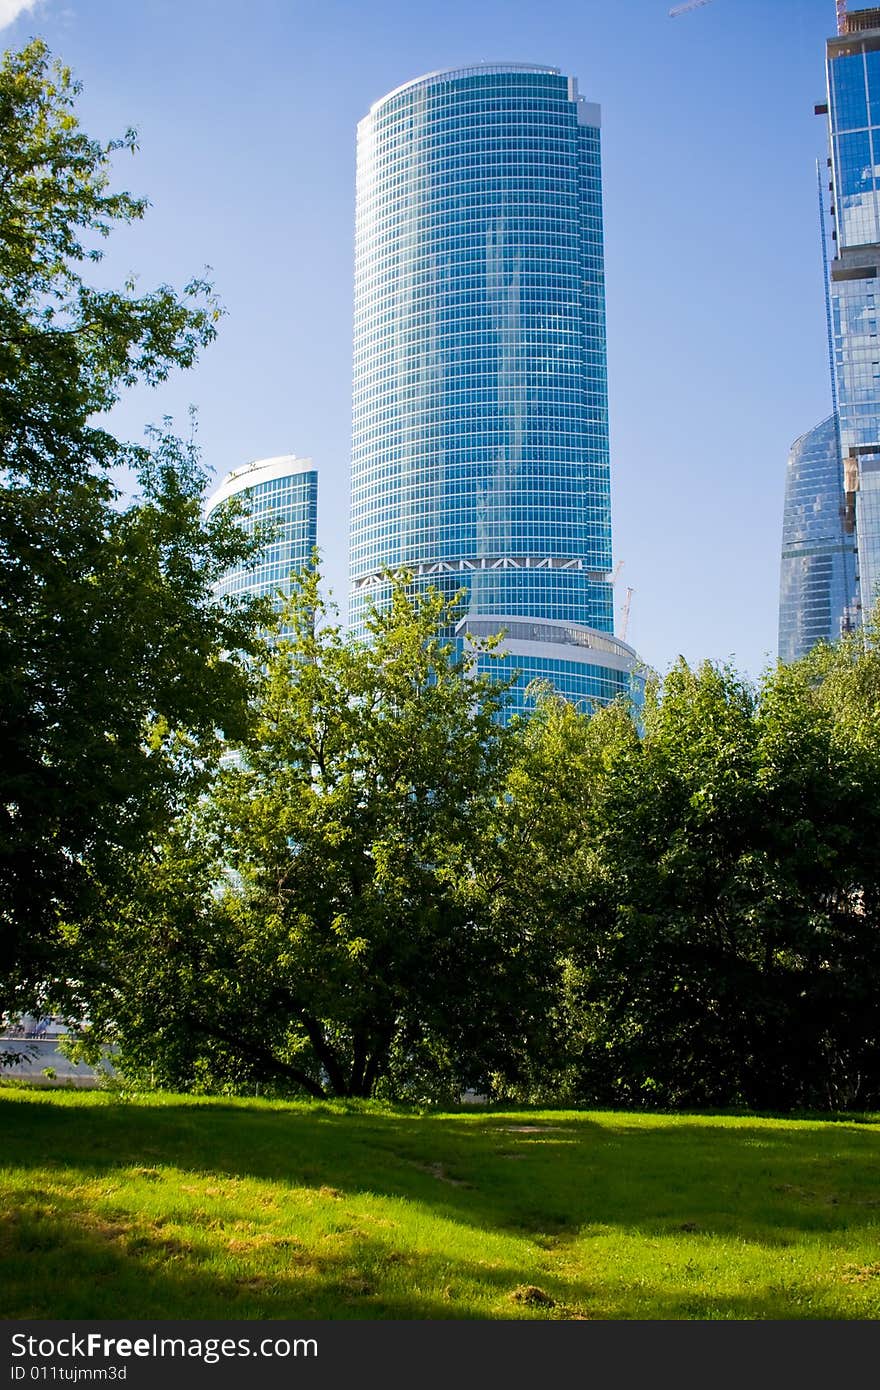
115 671
388 893
67 347
721 910
334 932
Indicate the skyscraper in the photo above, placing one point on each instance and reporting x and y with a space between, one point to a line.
817 579
480 434
282 490
853 109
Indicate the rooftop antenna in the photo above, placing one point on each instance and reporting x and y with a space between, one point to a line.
695 5
841 16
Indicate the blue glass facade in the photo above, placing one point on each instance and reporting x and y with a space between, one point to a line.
480 427
817 579
586 666
853 70
283 491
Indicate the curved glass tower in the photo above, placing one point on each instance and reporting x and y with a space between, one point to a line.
817 579
480 437
282 490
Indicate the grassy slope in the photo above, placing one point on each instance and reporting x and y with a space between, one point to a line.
179 1207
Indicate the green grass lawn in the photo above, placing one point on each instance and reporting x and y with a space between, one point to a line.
176 1207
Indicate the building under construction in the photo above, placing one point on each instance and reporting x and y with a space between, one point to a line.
830 578
852 108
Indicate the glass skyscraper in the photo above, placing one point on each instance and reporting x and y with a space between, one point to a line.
282 490
853 107
817 580
480 433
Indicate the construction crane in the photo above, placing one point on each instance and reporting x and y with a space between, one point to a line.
841 16
624 615
691 5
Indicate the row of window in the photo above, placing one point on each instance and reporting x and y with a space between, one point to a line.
581 684
471 534
583 489
548 326
387 357
566 399
476 123
471 248
456 105
472 239
476 353
459 401
545 424
380 285
420 450
563 471
520 505
371 475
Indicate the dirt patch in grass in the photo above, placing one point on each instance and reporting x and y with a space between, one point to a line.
249 1244
104 1227
531 1295
531 1129
859 1274
438 1170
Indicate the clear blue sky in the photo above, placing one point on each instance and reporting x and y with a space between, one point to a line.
246 114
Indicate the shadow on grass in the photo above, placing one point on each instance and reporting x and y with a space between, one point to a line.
70 1264
493 1171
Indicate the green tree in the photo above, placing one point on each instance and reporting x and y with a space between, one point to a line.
322 921
723 944
115 673
536 867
